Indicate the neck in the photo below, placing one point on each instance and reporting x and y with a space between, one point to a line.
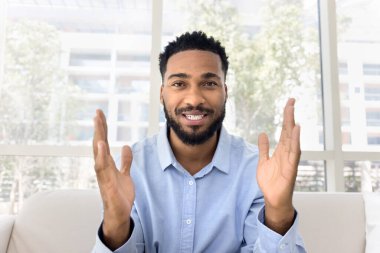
193 157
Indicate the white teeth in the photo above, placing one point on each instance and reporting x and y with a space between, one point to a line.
194 117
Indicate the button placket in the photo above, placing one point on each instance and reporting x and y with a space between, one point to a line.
283 246
188 215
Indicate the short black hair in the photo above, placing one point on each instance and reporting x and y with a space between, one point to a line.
197 40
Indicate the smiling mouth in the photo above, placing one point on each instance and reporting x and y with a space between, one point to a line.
195 117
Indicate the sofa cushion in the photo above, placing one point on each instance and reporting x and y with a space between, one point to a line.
331 222
372 211
6 226
67 221
59 221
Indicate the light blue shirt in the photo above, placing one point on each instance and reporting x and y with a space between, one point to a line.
219 209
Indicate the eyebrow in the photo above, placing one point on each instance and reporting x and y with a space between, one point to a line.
179 75
207 75
210 75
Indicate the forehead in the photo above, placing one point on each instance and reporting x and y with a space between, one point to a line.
193 62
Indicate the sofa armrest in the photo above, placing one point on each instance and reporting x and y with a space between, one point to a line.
6 226
60 221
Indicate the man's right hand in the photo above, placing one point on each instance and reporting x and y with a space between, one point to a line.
116 187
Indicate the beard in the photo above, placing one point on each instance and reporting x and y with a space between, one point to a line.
195 137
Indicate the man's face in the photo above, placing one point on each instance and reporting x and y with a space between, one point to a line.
194 95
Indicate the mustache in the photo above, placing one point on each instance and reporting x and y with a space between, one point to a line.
192 108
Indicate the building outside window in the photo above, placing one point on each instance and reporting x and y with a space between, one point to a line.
61 60
371 69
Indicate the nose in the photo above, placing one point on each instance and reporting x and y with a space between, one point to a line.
194 96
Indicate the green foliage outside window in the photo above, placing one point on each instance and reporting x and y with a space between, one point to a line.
265 67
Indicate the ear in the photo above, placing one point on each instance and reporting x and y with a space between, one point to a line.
161 91
226 90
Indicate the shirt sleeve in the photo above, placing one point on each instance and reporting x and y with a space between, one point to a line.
258 238
134 244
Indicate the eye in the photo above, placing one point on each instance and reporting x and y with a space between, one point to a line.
209 84
178 84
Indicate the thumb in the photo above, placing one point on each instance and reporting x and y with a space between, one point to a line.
126 160
263 144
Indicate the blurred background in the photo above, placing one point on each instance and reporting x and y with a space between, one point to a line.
62 59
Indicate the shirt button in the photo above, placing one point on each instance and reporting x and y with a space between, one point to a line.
191 182
283 246
188 221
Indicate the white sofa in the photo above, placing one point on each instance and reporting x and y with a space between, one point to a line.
66 221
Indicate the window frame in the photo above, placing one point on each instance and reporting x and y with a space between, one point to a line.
333 154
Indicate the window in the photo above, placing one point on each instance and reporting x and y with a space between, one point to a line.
346 138
37 173
91 83
371 69
372 92
288 50
344 91
87 109
62 62
373 118
132 84
311 176
90 59
124 111
79 133
373 139
363 73
362 175
132 60
124 133
343 69
345 116
93 55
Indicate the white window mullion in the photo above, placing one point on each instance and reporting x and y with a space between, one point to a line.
46 150
361 156
113 99
155 77
317 155
331 98
3 19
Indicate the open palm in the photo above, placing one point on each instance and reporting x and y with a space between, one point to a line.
116 187
276 175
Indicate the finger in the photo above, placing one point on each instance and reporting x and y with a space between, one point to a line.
126 160
263 144
101 162
295 149
100 131
288 122
103 119
105 127
98 134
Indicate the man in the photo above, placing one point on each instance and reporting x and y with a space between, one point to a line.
194 187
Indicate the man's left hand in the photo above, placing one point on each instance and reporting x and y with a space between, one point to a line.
276 175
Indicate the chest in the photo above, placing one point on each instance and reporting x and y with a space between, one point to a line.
191 215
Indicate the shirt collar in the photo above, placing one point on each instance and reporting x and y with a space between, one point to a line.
221 159
165 153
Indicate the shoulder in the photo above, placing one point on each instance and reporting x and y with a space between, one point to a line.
238 144
147 144
144 152
239 154
244 157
